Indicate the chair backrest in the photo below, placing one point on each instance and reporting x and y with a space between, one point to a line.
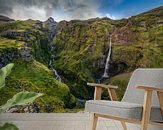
148 77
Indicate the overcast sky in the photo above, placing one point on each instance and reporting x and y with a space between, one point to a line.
75 9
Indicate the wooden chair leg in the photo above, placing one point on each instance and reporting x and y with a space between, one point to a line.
114 97
160 98
146 109
124 125
94 122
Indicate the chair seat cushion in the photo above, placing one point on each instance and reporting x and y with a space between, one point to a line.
131 111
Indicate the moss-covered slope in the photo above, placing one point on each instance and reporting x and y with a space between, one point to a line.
27 45
81 47
37 77
31 33
78 51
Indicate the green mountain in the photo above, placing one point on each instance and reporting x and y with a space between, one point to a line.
76 51
27 45
81 47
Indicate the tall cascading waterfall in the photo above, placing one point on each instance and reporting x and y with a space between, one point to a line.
105 75
57 76
52 25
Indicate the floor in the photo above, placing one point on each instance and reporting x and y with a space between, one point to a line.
57 121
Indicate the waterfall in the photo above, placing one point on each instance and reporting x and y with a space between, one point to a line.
57 76
105 75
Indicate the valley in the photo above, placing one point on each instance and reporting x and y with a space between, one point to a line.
59 58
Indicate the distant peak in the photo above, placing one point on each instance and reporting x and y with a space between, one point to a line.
5 19
50 20
51 25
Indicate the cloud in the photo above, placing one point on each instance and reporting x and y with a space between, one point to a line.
42 9
32 12
111 16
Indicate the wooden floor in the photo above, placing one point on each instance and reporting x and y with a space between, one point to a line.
57 121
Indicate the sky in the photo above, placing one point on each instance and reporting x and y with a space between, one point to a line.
75 9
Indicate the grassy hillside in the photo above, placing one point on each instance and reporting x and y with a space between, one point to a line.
78 50
81 47
31 33
37 77
25 44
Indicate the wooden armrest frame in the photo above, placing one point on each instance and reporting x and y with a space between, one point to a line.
148 101
98 89
102 85
159 93
150 88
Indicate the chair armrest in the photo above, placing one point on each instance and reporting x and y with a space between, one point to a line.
148 101
150 88
102 85
98 89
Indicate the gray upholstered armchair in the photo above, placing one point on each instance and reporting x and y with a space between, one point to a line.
141 104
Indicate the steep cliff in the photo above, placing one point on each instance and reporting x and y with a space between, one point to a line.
81 47
27 44
77 51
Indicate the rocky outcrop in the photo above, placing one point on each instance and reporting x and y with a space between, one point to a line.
160 22
5 19
7 56
14 34
50 25
25 54
123 35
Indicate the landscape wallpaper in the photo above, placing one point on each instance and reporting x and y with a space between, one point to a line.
57 46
